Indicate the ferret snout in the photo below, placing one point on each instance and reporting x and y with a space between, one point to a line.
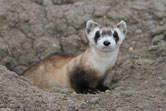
106 43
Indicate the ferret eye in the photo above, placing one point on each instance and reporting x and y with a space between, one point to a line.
115 35
97 34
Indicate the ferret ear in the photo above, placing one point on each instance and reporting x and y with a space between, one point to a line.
122 26
90 25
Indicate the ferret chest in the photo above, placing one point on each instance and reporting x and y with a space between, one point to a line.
103 65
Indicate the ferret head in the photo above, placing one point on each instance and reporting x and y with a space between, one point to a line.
105 37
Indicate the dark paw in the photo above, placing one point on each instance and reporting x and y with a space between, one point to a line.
93 91
103 88
89 91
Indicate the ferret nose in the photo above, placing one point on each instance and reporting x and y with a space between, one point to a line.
106 43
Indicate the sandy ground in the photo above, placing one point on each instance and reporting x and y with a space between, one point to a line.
139 83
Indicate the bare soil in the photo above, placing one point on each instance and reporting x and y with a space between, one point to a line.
30 30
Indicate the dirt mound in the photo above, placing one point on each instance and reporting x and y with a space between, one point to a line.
30 30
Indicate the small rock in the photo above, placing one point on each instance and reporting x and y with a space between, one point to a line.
70 101
157 39
127 93
64 91
163 53
144 61
130 49
138 31
94 100
160 78
164 33
80 104
153 48
74 93
108 91
133 42
157 31
161 22
77 4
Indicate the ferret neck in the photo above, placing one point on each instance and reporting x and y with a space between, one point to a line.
100 61
99 55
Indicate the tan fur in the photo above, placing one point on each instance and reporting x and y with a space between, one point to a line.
49 72
55 70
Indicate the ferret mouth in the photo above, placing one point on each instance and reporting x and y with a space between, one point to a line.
107 49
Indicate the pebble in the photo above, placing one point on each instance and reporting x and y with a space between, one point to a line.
157 31
153 48
163 53
80 104
94 100
64 90
138 31
145 61
130 49
164 33
152 96
157 39
70 101
133 42
74 93
127 93
161 22
108 91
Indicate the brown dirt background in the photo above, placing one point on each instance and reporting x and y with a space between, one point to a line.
30 30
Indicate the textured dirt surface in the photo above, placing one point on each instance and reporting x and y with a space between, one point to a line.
30 30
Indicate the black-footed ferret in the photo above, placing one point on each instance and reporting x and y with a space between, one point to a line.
86 72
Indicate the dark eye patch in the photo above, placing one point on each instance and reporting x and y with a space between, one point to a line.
97 36
116 36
